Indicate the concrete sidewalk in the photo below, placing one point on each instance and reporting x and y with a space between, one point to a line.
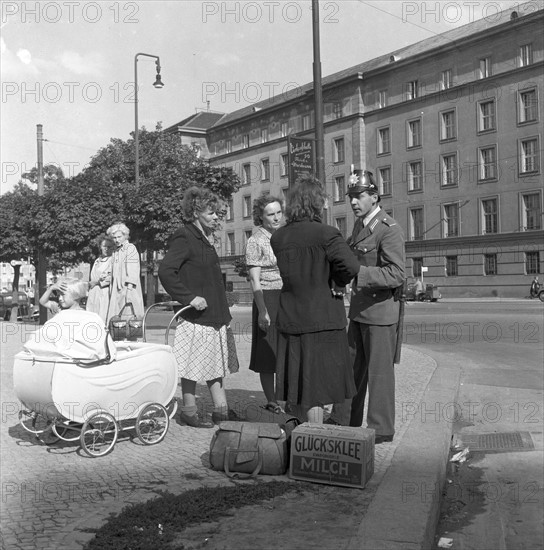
52 495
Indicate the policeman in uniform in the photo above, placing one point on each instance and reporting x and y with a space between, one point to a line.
378 243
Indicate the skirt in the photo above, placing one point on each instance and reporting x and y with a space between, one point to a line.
264 344
314 369
203 352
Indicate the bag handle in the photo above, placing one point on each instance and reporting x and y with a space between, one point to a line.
238 475
125 306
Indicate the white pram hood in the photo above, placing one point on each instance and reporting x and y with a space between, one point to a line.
71 336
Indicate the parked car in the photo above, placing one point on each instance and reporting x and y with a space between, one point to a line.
430 294
27 311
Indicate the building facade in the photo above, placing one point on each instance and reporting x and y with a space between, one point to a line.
452 129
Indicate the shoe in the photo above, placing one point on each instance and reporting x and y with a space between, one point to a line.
273 407
383 439
332 422
194 421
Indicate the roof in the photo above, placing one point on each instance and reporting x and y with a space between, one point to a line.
203 120
450 38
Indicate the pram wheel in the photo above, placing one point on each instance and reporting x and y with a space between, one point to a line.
67 431
152 424
99 434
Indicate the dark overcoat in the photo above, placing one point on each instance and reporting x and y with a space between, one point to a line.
191 268
311 255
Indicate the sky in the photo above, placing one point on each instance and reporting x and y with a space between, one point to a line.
69 65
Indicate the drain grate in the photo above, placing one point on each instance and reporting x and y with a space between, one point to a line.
498 442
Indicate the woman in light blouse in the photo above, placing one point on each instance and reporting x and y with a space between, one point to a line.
266 285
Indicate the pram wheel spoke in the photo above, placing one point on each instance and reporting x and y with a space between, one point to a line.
99 434
152 424
67 431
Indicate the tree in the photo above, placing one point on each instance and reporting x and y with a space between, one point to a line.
17 234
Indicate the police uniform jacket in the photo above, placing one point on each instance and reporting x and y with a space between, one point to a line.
379 247
311 256
191 268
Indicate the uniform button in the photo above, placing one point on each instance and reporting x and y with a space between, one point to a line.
364 249
373 295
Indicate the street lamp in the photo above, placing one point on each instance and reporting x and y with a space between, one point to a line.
157 84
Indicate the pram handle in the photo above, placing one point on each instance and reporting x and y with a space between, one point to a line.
172 303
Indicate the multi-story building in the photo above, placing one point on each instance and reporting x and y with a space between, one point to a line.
452 129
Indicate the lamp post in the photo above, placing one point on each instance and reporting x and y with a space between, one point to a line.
157 84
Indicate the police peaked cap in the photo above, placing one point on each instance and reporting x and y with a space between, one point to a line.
360 181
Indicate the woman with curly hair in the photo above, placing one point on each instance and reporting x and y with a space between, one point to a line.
204 344
313 366
266 284
100 279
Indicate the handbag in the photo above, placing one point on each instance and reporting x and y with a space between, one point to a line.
126 325
249 448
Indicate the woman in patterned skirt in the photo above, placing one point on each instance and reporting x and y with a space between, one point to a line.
204 344
266 284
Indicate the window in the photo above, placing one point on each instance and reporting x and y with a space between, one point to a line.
488 163
341 226
284 164
382 99
449 169
246 206
384 180
264 135
532 263
245 141
415 176
485 67
246 174
414 133
531 212
529 156
231 244
265 169
417 229
337 109
528 106
525 55
490 264
490 216
284 129
339 189
338 150
230 211
412 89
228 146
384 141
306 122
451 220
448 128
417 264
486 116
446 79
451 266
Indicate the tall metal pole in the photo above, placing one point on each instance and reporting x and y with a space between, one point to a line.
41 271
136 136
318 101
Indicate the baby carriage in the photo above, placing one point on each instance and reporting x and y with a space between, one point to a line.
130 386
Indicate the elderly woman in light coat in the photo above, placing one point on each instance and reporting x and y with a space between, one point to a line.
125 286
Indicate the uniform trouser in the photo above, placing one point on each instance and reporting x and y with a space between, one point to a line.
373 368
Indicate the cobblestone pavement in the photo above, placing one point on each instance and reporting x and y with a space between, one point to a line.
53 495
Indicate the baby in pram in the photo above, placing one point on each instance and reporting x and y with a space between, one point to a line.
72 333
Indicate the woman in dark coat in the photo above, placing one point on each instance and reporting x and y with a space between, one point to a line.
204 344
313 361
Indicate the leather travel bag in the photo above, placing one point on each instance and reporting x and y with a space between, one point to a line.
126 325
246 449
